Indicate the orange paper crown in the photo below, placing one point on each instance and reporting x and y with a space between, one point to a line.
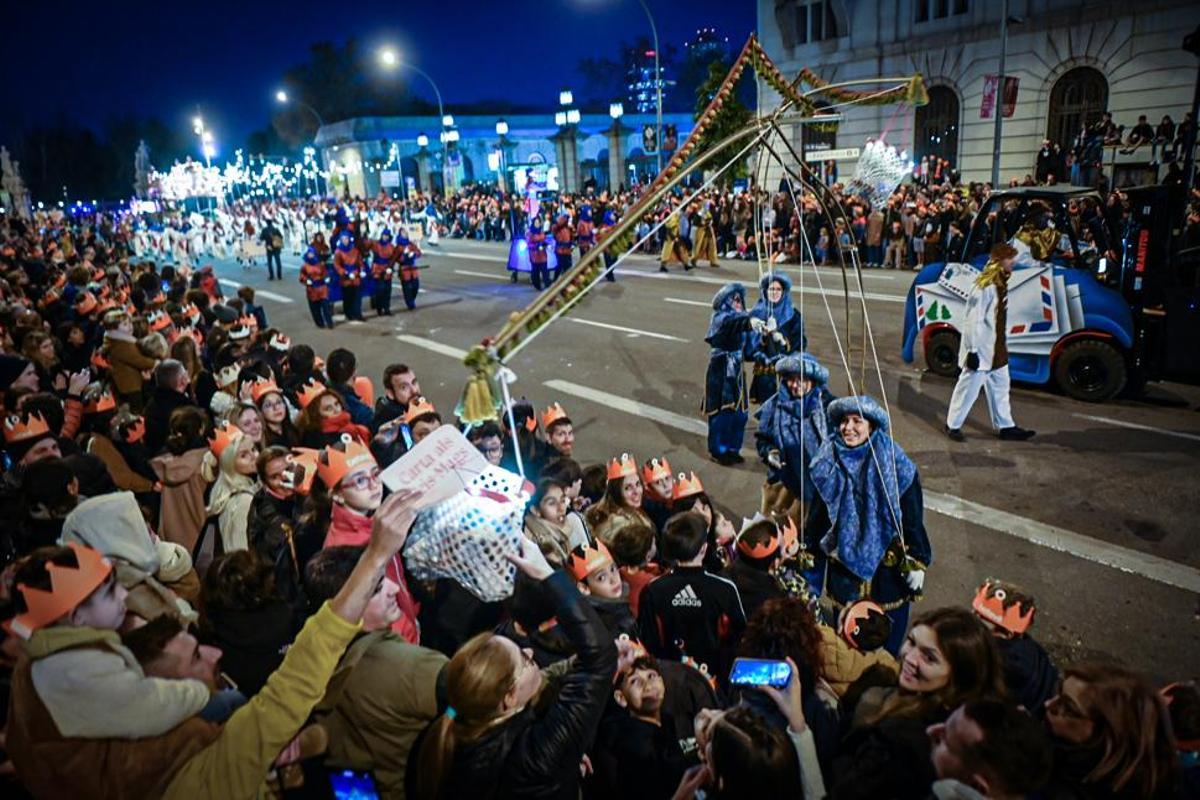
223 436
69 586
335 464
554 413
100 403
239 332
85 303
194 333
854 614
417 409
760 550
280 342
309 392
99 361
790 535
622 467
247 321
586 559
656 470
308 459
1002 605
159 320
17 431
157 300
136 431
261 388
686 486
190 311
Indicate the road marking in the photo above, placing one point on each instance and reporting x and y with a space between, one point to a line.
683 302
278 298
1135 426
1125 559
342 318
835 293
436 347
670 418
498 258
633 332
492 275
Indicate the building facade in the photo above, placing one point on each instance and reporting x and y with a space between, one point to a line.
366 154
1072 60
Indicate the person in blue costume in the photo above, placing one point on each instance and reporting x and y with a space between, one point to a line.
539 253
783 334
725 400
791 429
864 537
407 253
607 220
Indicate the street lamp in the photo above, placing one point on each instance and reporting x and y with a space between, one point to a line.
391 59
616 110
501 127
572 116
502 171
565 98
422 140
447 120
657 86
560 118
282 97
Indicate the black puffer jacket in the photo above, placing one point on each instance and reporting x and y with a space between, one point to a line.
273 531
538 756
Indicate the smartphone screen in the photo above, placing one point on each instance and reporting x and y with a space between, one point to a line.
349 784
760 672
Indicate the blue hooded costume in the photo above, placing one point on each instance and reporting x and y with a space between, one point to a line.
795 426
725 399
865 529
764 349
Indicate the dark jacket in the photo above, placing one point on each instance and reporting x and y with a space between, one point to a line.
386 410
754 585
538 756
158 416
253 643
273 531
692 612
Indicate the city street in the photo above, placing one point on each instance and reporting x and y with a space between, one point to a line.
1095 516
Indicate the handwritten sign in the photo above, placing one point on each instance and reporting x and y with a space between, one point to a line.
439 466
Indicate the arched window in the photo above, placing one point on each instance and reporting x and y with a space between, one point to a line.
1078 98
936 132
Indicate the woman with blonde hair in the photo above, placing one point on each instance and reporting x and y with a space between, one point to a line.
233 469
494 740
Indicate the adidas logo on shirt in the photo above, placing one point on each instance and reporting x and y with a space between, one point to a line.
686 597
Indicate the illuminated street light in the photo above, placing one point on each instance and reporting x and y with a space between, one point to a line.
448 120
616 110
281 96
388 57
209 150
565 98
422 140
501 127
206 137
452 135
560 118
573 116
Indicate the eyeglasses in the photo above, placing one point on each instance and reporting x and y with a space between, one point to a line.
364 480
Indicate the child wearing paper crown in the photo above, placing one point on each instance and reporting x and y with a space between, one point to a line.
660 486
597 576
757 555
351 475
1007 611
856 645
69 607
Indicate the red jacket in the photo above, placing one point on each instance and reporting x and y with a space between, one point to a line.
315 280
564 236
350 528
348 264
537 246
383 265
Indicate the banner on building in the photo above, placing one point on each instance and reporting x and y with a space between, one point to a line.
988 104
649 139
670 138
389 178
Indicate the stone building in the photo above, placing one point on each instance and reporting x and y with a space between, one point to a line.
1072 60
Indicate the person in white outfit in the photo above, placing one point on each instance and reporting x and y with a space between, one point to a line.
983 351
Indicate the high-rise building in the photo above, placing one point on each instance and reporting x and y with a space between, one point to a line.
708 45
641 91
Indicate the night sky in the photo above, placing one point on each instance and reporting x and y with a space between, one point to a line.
88 61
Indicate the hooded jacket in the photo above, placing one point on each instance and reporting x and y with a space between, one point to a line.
182 513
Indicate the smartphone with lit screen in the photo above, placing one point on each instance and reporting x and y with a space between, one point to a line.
760 672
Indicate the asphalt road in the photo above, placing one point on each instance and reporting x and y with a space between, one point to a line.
1096 515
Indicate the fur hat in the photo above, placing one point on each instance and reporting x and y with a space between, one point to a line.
805 366
726 293
859 404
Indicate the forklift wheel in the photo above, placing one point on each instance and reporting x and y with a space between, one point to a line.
941 353
1090 370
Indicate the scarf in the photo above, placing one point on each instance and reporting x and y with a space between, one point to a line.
861 487
340 423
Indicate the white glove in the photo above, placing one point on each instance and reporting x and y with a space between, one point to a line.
779 337
915 579
757 325
772 324
774 460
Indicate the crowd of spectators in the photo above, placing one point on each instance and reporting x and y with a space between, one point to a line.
205 588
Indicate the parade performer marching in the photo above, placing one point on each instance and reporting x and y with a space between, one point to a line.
585 231
865 538
316 288
706 235
782 335
407 253
348 264
678 246
539 274
383 267
607 220
791 429
983 351
564 243
725 399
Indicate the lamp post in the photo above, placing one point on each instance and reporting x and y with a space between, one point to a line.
391 60
501 133
283 98
616 147
658 86
566 142
998 109
207 146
